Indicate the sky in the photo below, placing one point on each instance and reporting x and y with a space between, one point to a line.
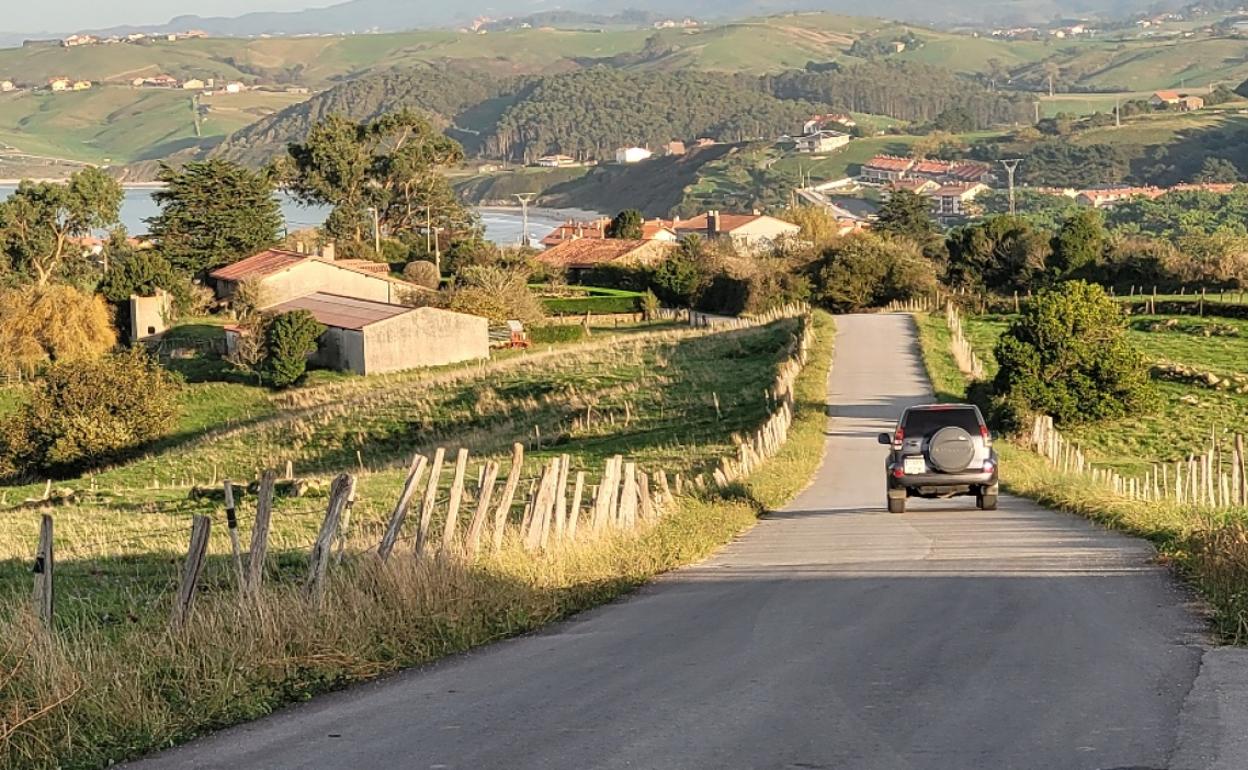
55 16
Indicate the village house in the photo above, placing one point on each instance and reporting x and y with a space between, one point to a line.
632 155
234 87
749 232
821 141
584 254
73 41
1191 103
651 230
673 148
283 275
916 186
1103 197
369 337
1164 99
955 199
156 81
819 122
886 168
60 84
556 161
194 84
81 85
7 86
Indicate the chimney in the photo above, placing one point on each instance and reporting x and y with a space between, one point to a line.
329 251
712 223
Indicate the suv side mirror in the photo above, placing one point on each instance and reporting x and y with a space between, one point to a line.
886 439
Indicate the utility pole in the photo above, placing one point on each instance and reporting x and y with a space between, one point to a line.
1011 165
1037 106
525 199
428 227
1118 112
376 229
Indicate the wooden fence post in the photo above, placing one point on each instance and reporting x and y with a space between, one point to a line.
201 527
44 565
643 492
574 513
457 496
344 521
561 497
613 498
318 560
430 501
415 473
260 532
509 495
545 492
1241 467
231 522
483 508
627 517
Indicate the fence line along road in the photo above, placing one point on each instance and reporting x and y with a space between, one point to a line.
627 498
1215 478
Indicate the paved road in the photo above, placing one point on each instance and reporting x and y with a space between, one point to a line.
833 635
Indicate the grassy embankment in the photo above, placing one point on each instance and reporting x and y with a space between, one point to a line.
1208 547
116 683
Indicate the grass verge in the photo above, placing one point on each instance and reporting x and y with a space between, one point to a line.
1208 548
94 694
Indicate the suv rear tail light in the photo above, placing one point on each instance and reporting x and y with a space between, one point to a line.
988 466
983 431
899 438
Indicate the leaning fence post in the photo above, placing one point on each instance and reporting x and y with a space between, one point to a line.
509 495
344 521
260 532
483 508
414 475
627 516
574 513
431 500
318 560
201 527
457 495
561 499
44 563
231 521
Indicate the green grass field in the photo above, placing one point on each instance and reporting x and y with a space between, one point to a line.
117 560
119 124
1188 414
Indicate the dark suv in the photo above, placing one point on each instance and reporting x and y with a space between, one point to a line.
941 450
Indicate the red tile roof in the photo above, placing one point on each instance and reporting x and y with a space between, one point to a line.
266 263
1169 96
889 163
591 252
932 167
727 223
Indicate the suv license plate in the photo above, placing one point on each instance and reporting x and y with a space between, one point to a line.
915 466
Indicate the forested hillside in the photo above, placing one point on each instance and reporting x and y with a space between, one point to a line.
900 89
589 113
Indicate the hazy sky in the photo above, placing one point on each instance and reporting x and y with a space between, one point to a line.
70 15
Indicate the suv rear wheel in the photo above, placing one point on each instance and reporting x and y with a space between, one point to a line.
986 499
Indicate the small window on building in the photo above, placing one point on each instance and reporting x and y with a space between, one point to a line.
151 330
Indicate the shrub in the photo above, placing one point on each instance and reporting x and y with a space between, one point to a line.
41 324
288 341
595 300
549 335
423 273
86 412
1068 356
496 294
864 270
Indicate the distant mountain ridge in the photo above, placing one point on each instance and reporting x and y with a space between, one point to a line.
360 16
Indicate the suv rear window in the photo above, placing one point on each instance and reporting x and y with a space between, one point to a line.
925 422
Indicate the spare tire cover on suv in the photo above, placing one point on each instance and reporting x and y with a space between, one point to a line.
950 449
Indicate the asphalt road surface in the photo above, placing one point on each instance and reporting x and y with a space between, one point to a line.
833 635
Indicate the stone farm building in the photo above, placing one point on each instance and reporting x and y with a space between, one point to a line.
368 329
368 337
282 275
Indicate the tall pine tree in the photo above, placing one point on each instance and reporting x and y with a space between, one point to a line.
213 213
